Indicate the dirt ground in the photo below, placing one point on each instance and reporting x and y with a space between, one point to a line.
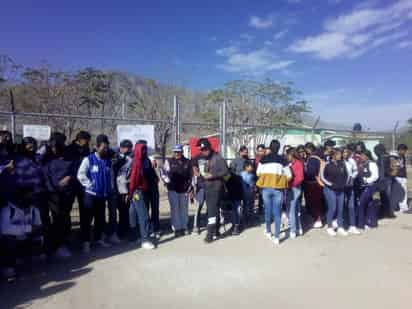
373 270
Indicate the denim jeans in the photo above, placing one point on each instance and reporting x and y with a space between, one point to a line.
335 201
236 212
151 199
350 202
138 214
293 204
179 210
272 199
200 202
367 207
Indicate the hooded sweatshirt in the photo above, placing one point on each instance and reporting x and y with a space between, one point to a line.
273 173
138 180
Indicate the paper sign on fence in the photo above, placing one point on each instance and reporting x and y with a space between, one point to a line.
39 132
135 133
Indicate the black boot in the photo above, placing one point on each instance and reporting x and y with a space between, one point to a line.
236 230
210 236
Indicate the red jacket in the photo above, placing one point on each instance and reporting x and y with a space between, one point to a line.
298 171
137 179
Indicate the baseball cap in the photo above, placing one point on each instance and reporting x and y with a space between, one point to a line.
178 148
203 143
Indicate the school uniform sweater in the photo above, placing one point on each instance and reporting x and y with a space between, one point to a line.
335 175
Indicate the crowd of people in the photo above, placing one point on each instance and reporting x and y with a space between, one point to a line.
117 192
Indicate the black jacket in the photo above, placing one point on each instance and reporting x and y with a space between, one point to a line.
335 175
180 174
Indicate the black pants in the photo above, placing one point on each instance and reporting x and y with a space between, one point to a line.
13 249
94 208
213 200
60 205
123 208
385 190
151 199
40 201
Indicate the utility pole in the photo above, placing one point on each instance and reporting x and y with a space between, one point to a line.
223 128
395 129
176 119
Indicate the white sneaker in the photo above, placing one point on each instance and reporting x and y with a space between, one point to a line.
103 244
63 253
292 235
276 241
335 224
148 245
86 247
331 231
301 232
342 232
367 228
268 235
114 239
318 225
353 230
9 272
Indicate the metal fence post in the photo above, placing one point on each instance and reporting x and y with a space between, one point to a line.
394 136
223 129
176 119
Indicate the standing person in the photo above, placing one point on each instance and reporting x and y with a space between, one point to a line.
121 171
177 175
248 188
350 201
295 192
260 153
76 152
7 164
237 165
94 175
369 175
313 184
151 195
213 171
273 179
385 181
335 177
402 177
198 193
60 177
138 185
21 230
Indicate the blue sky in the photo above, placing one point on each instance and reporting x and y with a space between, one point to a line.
352 59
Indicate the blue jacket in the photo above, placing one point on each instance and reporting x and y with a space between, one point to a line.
95 175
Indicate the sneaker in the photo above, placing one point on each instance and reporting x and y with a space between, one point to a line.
148 245
342 232
331 231
103 244
276 241
335 224
114 239
9 272
292 235
157 235
301 232
354 231
367 228
318 225
268 235
86 247
63 253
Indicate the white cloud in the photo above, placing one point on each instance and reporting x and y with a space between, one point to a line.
374 116
280 34
256 62
353 34
261 22
227 51
405 44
